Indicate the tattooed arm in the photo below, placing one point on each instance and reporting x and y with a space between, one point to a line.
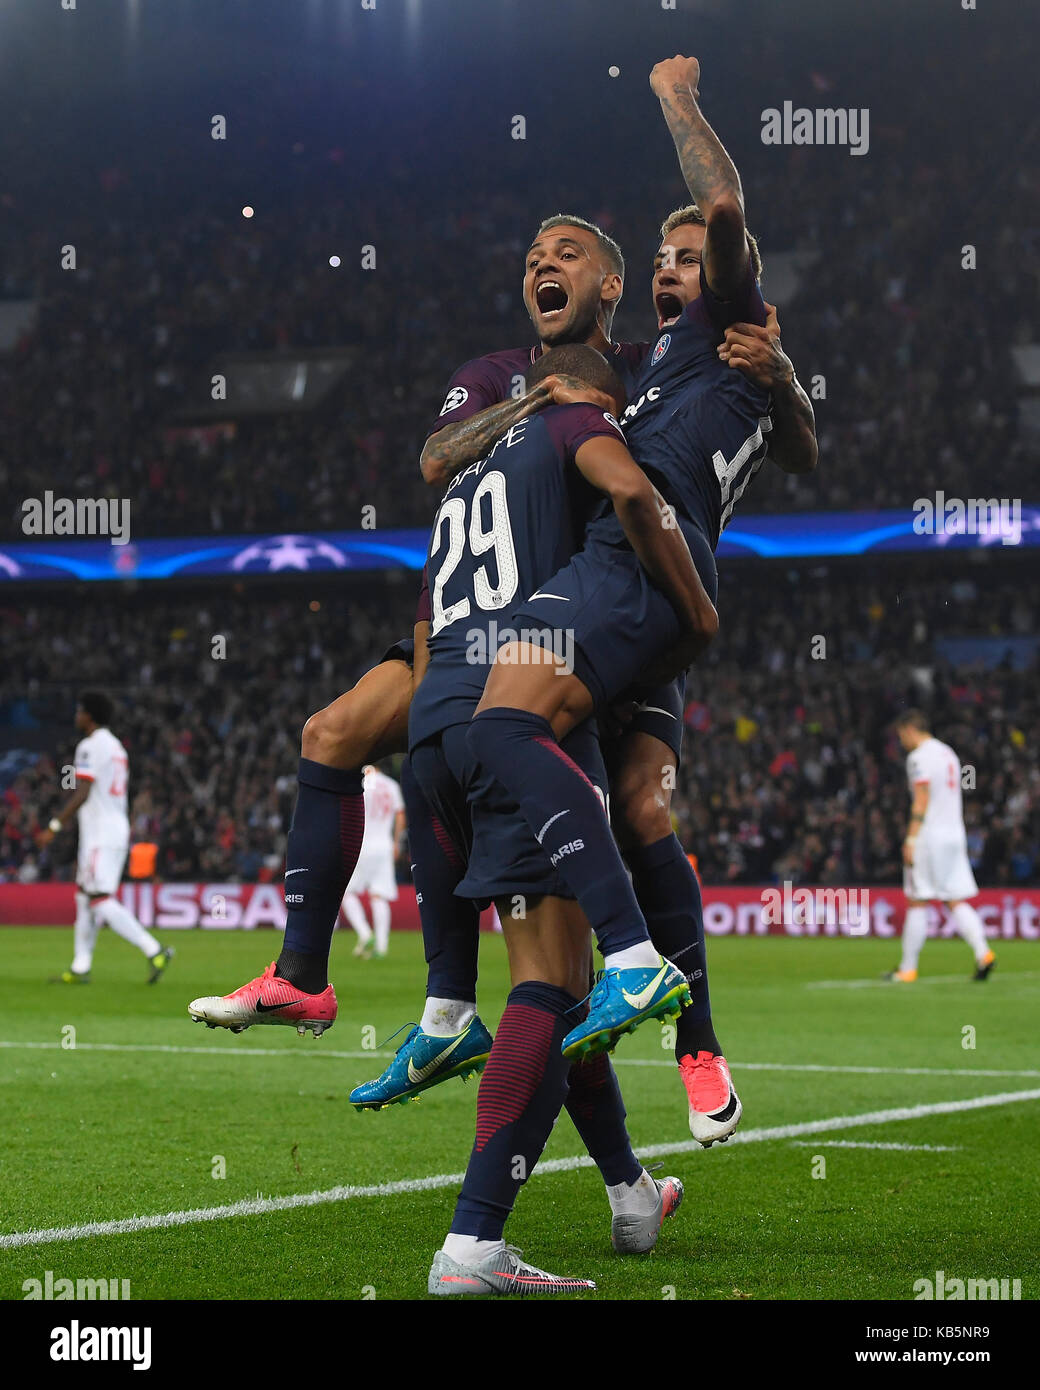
792 444
463 442
709 172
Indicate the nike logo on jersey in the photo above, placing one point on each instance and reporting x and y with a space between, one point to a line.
289 872
655 709
263 1008
417 1074
541 834
562 597
643 998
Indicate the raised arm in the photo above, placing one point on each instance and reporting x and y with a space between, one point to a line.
756 353
659 544
710 174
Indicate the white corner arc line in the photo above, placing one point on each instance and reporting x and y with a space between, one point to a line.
259 1206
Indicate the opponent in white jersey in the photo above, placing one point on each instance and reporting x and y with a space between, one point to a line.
374 874
935 851
99 804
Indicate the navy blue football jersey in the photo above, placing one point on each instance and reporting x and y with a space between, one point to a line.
697 427
485 381
506 524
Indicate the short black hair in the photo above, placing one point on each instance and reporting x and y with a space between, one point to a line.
98 706
608 247
691 215
582 361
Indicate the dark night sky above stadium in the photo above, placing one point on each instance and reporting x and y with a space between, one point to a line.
429 86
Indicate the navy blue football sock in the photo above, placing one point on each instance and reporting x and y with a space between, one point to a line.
307 972
670 896
325 837
595 1106
567 817
450 925
521 1094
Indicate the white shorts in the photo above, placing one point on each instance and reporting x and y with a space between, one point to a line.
99 868
940 873
375 874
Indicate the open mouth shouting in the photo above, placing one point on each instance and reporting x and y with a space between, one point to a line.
668 306
551 299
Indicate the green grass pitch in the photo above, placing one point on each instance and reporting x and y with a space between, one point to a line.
134 1119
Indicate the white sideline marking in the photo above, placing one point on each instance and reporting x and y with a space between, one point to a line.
820 1066
239 1051
865 1144
258 1206
204 1051
964 978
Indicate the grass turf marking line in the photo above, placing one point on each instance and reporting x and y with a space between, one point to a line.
229 1051
259 1206
866 1144
247 1051
964 979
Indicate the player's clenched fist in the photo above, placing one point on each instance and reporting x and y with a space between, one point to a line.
675 72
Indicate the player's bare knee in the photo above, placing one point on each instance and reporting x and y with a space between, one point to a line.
311 741
327 736
642 810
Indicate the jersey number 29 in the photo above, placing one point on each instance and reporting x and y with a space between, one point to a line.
498 536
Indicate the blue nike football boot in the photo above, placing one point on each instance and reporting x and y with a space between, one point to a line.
621 1001
423 1061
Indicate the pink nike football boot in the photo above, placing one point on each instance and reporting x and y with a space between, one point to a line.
267 999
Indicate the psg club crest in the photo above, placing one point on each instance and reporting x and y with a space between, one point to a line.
662 347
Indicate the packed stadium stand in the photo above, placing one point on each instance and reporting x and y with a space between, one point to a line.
790 768
106 376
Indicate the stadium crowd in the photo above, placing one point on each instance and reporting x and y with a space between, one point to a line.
169 277
790 770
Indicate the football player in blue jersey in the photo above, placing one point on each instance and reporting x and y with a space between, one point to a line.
699 430
505 523
573 282
571 287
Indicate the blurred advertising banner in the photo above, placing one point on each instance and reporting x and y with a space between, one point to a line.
804 911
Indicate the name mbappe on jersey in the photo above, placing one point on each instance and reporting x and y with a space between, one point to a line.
698 427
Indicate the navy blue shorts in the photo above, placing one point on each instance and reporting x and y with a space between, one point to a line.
504 858
660 714
404 650
610 616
